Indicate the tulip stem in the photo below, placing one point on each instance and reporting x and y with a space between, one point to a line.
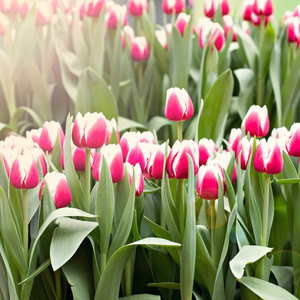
212 227
264 241
87 179
58 284
25 225
181 206
179 131
103 257
298 168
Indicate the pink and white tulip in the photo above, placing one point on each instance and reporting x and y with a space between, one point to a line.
247 9
243 152
93 8
114 14
211 6
207 149
293 140
136 7
139 178
182 21
162 38
263 7
65 5
229 26
43 13
111 126
140 49
139 154
168 6
282 135
293 29
128 33
234 138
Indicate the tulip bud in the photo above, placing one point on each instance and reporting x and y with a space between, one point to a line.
89 131
39 155
34 135
114 14
208 181
168 6
65 5
127 141
93 8
140 49
162 38
156 161
211 6
263 7
293 140
126 32
256 121
146 137
49 134
179 106
229 26
245 147
282 135
136 7
43 13
177 162
234 138
9 7
24 172
256 19
113 155
139 154
207 149
58 188
8 156
110 127
247 9
181 22
268 157
296 12
293 33
139 179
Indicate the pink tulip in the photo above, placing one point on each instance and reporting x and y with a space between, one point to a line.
139 154
127 141
263 7
34 135
139 179
234 138
293 140
24 172
140 49
282 135
293 26
168 6
43 13
89 131
247 9
177 162
58 188
114 14
245 148
288 14
111 125
211 6
229 26
296 12
182 21
136 7
179 106
113 155
245 27
128 33
65 5
268 157
162 38
156 161
9 7
207 149
256 121
208 181
39 155
146 137
93 8
8 156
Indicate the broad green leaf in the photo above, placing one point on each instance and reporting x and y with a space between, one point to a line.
94 95
215 108
162 56
67 238
158 122
125 124
288 181
247 254
284 276
166 285
141 297
266 290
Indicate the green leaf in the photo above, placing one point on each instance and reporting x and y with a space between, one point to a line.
125 124
166 285
215 108
288 181
266 290
94 95
141 297
158 122
247 254
284 276
67 238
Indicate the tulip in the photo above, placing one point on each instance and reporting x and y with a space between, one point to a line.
268 157
113 155
34 135
50 131
245 27
156 161
114 14
293 33
281 134
24 172
181 22
179 106
211 6
247 9
296 12
256 20
136 7
89 131
93 8
162 38
234 138
229 26
146 137
8 156
4 22
177 163
65 5
139 154
293 139
208 181
10 7
263 7
140 49
139 179
110 127
256 121
43 13
168 6
39 155
127 141
58 188
19 143
245 147
207 149
126 32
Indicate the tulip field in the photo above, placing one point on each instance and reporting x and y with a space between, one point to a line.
145 160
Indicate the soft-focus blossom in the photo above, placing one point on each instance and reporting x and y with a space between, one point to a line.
140 48
243 152
89 131
169 27
93 8
8 156
263 7
179 106
156 161
296 12
245 27
256 121
293 140
136 7
34 135
43 13
229 26
256 19
65 5
268 157
281 134
139 179
3 23
10 7
111 126
50 131
162 37
207 149
139 154
114 14
234 138
293 29
113 155
247 9
24 172
128 33
177 162
58 188
168 6
208 181
182 21
211 6
40 156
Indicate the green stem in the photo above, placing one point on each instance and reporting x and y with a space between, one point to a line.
103 258
87 178
25 224
212 206
298 168
128 285
261 32
264 241
181 206
179 131
81 178
57 275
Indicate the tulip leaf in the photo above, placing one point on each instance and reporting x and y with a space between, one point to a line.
109 284
215 108
284 276
126 124
141 297
247 254
288 181
94 95
266 290
158 122
162 56
67 238
166 285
